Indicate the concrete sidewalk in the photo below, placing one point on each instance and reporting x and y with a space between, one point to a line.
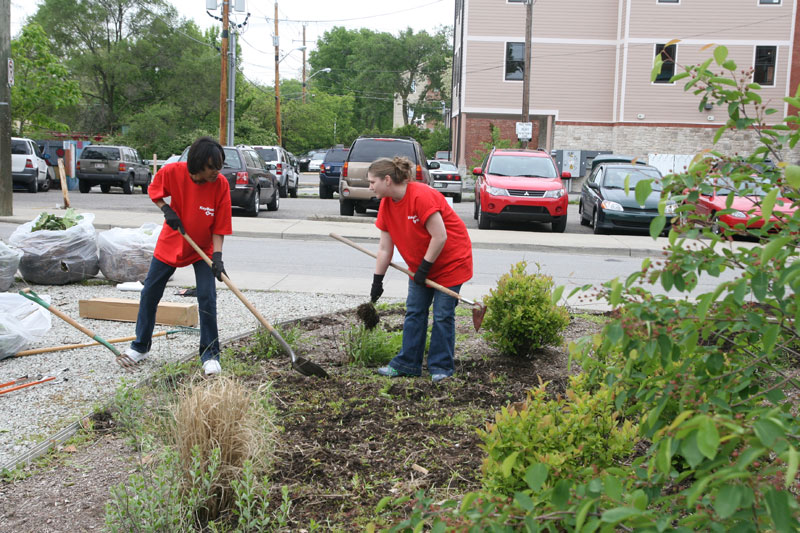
364 230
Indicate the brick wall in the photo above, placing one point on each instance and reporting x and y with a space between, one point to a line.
478 130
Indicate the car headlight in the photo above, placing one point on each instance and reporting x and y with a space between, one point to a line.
557 193
608 205
496 191
669 209
738 214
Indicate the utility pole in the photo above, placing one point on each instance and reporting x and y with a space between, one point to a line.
6 185
223 83
276 42
526 72
231 101
304 63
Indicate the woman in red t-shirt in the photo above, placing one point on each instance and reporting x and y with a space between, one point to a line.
434 243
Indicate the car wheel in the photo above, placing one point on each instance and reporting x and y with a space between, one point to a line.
34 185
84 186
293 192
558 226
360 209
483 219
44 187
596 223
275 203
255 204
127 185
283 191
105 188
147 185
475 214
584 219
325 192
457 198
346 207
716 227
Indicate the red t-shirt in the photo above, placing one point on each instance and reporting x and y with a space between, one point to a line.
204 209
405 221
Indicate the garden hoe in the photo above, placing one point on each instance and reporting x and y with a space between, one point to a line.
478 309
122 360
304 366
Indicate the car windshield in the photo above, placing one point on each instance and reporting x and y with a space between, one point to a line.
268 154
103 153
336 156
20 148
748 188
447 165
318 155
522 166
368 150
615 178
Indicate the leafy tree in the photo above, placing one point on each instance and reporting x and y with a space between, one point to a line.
439 140
42 84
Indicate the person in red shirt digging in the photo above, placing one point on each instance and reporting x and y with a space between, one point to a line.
434 243
200 205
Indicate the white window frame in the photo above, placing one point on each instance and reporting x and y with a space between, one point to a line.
775 74
667 2
674 62
503 73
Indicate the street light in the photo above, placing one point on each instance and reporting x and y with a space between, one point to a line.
278 85
326 69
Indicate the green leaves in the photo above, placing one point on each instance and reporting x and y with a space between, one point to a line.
720 54
768 203
643 190
768 430
792 173
708 438
727 501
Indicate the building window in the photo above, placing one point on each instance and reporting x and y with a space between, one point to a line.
668 56
515 61
769 2
669 1
517 1
764 73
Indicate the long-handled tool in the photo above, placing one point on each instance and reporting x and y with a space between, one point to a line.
21 383
64 347
122 360
302 365
478 308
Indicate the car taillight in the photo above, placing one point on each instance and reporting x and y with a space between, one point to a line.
242 178
419 173
122 167
28 164
453 177
344 170
279 169
322 167
78 165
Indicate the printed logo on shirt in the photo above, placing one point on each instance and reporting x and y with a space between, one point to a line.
209 211
413 218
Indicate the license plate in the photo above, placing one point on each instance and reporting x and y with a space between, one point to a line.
99 166
439 185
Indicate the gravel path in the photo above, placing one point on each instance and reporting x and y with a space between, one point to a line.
88 377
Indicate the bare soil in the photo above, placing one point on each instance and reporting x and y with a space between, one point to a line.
345 442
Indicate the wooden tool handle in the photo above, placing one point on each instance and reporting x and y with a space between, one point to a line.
75 346
428 282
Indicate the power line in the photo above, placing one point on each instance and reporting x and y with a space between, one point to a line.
329 21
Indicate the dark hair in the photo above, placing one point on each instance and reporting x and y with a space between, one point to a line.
398 168
205 152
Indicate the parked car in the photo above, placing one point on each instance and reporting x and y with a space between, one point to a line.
108 166
287 177
605 204
520 186
28 165
745 210
315 158
354 192
447 179
250 178
443 155
330 171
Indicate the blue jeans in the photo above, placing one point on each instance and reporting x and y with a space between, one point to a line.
415 331
154 285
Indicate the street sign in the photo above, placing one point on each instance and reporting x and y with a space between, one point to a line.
10 72
524 130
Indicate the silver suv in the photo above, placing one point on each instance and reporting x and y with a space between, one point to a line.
119 166
288 178
354 192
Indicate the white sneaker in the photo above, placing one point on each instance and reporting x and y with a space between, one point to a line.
136 357
211 367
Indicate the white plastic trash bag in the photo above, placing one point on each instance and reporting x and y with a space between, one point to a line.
57 257
21 323
126 253
9 263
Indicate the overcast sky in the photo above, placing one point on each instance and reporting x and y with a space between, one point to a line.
318 16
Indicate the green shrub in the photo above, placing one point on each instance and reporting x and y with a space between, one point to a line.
576 436
371 347
521 316
266 346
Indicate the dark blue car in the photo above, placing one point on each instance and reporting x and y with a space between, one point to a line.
330 171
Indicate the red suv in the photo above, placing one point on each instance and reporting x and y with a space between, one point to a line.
520 186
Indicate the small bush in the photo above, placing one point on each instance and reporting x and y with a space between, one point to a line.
371 347
521 316
576 436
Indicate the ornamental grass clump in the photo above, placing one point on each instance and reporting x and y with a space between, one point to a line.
521 315
220 427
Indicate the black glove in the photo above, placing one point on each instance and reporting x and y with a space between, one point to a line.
377 287
422 272
172 218
217 268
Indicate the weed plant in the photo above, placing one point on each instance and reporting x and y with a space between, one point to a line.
371 347
266 346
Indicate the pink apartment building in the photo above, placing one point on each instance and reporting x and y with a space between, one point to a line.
590 73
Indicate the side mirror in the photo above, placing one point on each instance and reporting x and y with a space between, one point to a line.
477 171
566 175
592 185
433 165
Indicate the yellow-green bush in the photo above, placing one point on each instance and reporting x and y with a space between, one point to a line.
576 435
521 316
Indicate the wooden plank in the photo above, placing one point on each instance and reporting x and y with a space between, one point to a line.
169 313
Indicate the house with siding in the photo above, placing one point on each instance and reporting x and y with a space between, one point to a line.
591 62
